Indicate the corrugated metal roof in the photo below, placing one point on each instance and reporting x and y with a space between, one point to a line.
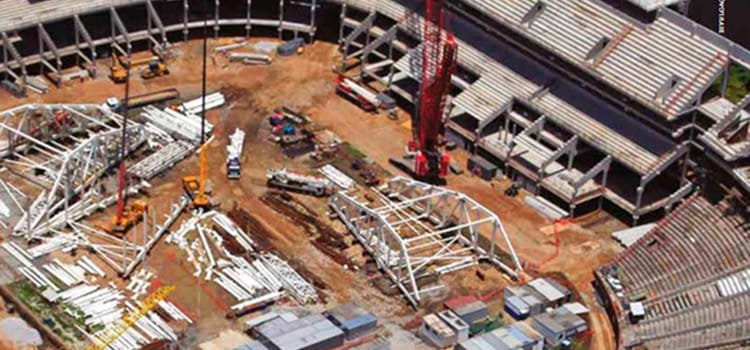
517 304
255 345
559 320
254 322
629 236
470 308
576 308
547 289
359 322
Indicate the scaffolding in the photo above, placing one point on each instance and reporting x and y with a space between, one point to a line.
415 230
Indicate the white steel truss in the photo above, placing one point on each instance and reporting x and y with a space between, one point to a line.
416 230
65 151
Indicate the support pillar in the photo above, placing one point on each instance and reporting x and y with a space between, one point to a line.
281 19
217 27
248 22
185 20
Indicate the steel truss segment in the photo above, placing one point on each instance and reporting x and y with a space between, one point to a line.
48 147
415 230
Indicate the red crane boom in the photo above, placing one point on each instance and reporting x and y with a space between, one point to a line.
439 56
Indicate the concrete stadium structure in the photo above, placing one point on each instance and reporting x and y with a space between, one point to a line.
577 101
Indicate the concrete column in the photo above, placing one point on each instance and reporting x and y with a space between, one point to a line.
185 19
248 24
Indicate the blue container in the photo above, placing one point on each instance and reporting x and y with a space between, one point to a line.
290 47
289 130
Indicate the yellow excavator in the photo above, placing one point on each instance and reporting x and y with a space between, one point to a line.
195 187
118 73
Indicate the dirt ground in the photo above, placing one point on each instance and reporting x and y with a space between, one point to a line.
307 83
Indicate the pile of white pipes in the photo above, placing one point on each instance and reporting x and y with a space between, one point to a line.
147 329
199 248
174 312
87 264
246 281
233 230
249 283
184 126
64 242
229 47
295 284
99 306
250 58
28 270
194 107
161 160
69 275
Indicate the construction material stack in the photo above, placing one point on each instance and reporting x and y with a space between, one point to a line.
234 153
195 187
193 107
366 99
282 178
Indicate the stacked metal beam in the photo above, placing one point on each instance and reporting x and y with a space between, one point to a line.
183 126
161 160
263 280
194 107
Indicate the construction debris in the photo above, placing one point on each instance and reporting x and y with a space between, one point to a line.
250 283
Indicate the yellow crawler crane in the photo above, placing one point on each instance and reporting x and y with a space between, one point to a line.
195 187
131 318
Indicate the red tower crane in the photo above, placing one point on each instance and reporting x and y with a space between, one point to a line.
439 56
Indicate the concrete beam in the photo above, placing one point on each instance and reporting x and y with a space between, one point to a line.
570 148
119 28
8 45
364 26
248 25
496 114
217 27
156 20
602 166
663 164
50 45
389 35
81 32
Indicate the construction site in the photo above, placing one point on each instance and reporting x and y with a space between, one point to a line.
371 174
